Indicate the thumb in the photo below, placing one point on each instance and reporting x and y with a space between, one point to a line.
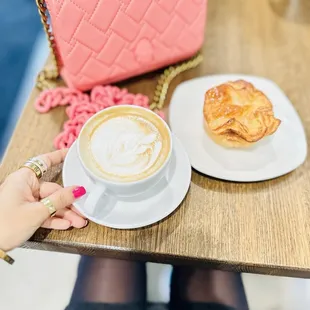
62 198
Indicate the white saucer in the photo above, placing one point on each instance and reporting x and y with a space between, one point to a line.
141 210
272 157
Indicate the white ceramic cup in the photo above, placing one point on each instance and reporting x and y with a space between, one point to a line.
104 186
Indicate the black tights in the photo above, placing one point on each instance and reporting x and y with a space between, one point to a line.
104 281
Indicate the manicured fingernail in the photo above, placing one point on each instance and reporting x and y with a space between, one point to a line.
79 192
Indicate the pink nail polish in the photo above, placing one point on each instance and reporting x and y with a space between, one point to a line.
79 192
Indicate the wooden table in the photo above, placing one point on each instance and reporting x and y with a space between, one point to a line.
259 227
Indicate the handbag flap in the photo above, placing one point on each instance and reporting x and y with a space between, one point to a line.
103 41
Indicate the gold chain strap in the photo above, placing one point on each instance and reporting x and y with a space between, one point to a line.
47 78
166 78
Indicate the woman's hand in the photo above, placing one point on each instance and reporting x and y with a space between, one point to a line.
22 213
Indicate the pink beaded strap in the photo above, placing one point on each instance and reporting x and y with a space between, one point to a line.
82 106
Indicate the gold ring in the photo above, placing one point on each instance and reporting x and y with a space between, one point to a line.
39 162
6 257
49 205
35 168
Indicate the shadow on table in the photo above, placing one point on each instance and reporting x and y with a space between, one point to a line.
217 185
297 11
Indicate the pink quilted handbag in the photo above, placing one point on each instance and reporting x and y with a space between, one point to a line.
104 41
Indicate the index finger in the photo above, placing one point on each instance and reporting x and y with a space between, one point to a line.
54 158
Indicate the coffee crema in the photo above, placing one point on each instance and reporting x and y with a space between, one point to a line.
125 144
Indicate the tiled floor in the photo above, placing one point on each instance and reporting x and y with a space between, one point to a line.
44 281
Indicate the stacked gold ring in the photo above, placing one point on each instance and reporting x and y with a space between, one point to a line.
32 166
39 162
37 165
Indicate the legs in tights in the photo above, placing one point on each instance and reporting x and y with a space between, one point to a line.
110 281
197 285
117 282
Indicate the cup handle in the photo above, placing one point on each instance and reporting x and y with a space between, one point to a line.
94 196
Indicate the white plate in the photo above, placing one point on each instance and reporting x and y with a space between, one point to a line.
271 157
141 210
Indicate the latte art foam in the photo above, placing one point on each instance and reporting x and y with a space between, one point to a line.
125 146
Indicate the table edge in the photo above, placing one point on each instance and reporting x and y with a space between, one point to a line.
166 258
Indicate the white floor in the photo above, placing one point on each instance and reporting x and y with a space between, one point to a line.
44 280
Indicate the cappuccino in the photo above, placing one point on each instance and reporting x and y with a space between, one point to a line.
125 144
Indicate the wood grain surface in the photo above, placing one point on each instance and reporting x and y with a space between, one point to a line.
258 227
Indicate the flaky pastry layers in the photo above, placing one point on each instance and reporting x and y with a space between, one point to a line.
237 114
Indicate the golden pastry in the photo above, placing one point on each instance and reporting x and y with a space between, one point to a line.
237 114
